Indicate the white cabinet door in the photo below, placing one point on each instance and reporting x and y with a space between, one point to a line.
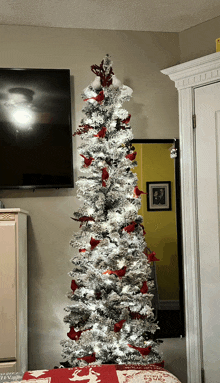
7 367
7 290
207 110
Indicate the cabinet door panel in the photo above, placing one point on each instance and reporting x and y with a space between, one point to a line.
7 367
7 290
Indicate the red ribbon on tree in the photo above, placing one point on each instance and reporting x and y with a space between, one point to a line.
82 250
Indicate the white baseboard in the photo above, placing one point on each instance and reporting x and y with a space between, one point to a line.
169 305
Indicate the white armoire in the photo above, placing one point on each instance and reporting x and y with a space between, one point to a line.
198 84
13 290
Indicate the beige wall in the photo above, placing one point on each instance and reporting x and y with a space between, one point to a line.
200 40
138 58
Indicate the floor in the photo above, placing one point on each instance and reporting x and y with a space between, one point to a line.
171 324
174 355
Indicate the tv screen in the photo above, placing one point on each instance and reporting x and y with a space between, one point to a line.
35 129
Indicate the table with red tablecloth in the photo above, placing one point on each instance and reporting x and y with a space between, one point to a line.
102 374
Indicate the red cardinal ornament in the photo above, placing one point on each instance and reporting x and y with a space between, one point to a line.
98 98
82 250
120 273
143 350
83 219
74 286
87 161
126 121
144 288
101 133
94 242
130 227
73 334
138 192
151 256
131 156
138 316
88 359
84 129
118 326
105 176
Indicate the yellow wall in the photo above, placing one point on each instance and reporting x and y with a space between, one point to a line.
155 164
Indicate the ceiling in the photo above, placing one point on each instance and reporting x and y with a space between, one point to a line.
135 15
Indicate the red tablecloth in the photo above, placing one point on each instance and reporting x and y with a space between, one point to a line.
102 374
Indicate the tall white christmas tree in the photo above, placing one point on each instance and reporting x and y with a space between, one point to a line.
110 317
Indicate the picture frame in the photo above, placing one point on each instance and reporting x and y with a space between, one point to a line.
159 196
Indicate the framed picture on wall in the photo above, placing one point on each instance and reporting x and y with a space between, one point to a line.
159 196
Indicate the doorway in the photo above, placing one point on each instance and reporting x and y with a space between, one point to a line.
163 230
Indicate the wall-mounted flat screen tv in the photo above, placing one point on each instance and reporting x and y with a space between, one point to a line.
35 129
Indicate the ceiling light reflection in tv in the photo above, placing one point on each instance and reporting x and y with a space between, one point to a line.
35 129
